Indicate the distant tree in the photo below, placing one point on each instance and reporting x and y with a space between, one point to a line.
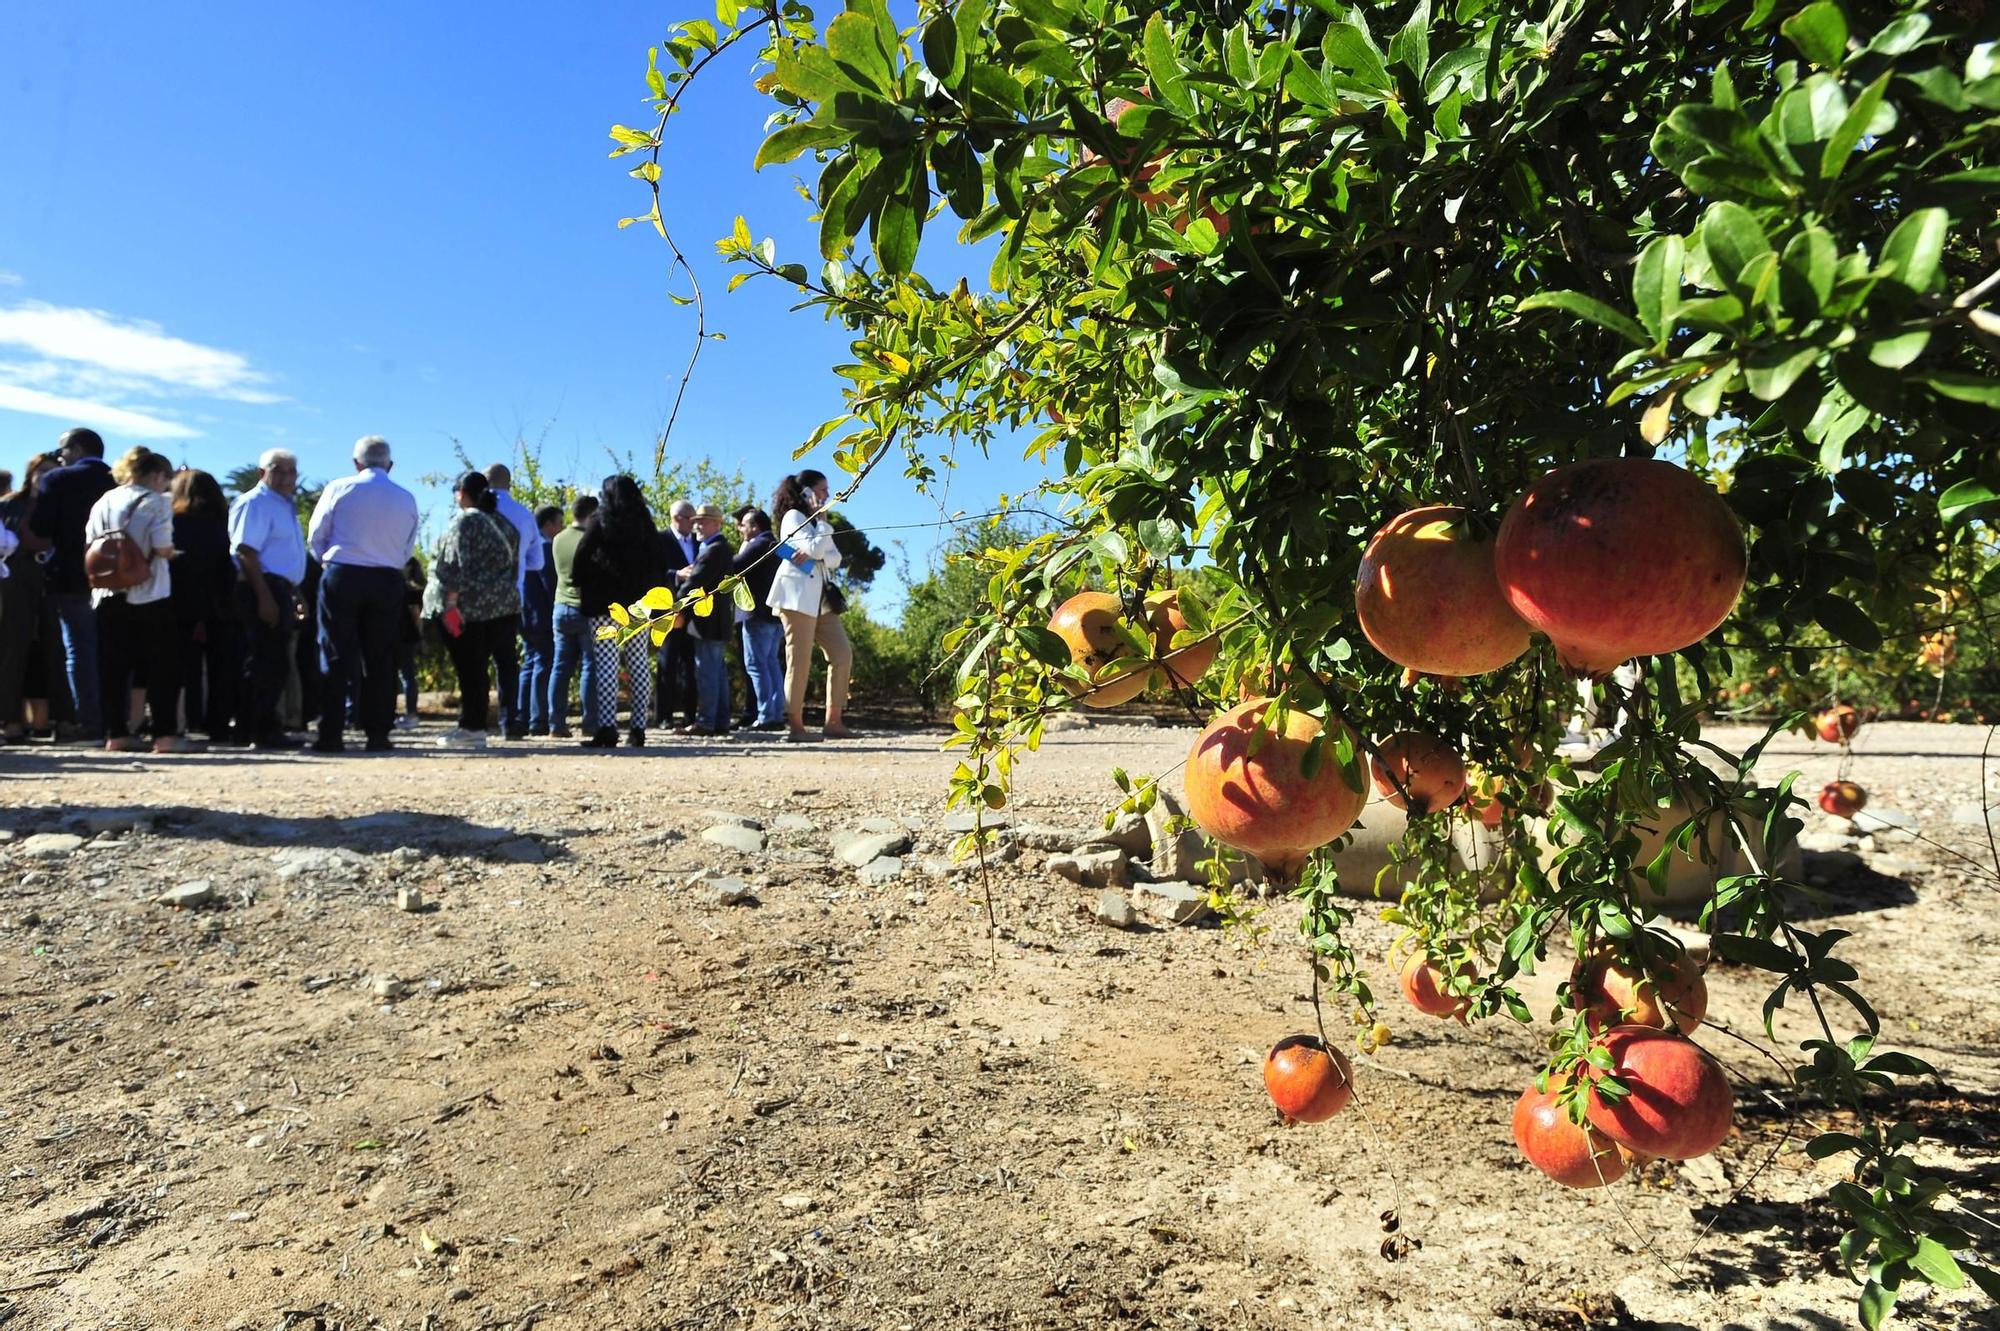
860 558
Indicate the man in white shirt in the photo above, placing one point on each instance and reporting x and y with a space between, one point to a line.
676 692
270 552
363 531
507 672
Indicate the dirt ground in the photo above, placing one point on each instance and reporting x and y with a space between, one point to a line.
574 1091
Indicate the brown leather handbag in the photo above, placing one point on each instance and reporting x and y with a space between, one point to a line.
114 562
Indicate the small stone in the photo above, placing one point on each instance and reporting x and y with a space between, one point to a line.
521 850
793 822
1061 721
736 837
722 890
877 872
409 899
880 825
459 1294
294 861
1108 867
1113 909
1040 836
1894 866
197 892
1886 824
1173 903
796 1201
98 821
1129 833
240 1217
934 867
915 898
732 818
1971 815
386 987
858 847
1825 842
51 845
33 878
963 820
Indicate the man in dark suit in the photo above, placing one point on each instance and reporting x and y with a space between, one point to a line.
709 633
676 692
62 506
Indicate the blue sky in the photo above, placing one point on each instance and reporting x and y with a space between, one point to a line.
233 226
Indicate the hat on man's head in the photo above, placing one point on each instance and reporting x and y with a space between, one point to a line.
709 511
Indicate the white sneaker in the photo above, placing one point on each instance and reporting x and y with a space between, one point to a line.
407 721
462 739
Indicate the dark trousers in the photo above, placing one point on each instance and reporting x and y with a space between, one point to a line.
267 660
479 643
211 665
138 641
506 657
359 624
676 692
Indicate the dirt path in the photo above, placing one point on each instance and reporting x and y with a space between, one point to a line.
576 1092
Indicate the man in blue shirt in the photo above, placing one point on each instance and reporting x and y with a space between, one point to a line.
363 530
63 502
270 555
508 673
538 636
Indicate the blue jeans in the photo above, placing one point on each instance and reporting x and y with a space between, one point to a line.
573 655
764 660
78 623
711 684
537 668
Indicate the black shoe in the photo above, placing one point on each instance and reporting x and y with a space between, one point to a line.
378 744
635 739
560 732
274 744
515 735
605 738
329 744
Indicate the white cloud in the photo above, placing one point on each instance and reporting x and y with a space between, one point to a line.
9 279
132 350
136 424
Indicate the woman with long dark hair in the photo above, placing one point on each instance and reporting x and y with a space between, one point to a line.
204 600
475 596
24 640
617 562
800 595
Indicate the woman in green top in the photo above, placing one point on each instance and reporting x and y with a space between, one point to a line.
572 628
475 597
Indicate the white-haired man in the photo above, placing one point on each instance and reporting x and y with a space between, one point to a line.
363 530
270 553
676 692
513 672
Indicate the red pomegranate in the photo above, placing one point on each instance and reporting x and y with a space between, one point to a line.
1263 802
1308 1082
1178 669
1428 599
1611 991
1426 767
1837 724
1620 557
1680 1105
1842 799
1570 1153
1423 983
1086 623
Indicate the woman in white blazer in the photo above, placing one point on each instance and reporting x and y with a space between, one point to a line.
796 593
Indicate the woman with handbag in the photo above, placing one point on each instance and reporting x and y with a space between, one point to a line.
800 595
474 593
127 541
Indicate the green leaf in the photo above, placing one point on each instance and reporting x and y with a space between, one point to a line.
1876 1303
1350 47
1833 1143
1820 31
941 51
1163 68
1916 248
1045 645
1656 284
1840 148
1900 36
1756 952
899 221
1586 307
1934 1262
809 73
957 167
1896 351
1734 239
1411 47
1846 622
1770 370
1968 501
1966 388
852 42
1806 279
787 143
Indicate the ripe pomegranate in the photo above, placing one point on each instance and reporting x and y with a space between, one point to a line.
1680 1104
1263 802
1620 557
1428 769
1573 1155
1178 669
1842 799
1085 623
1428 599
1838 723
1423 983
1611 991
1308 1082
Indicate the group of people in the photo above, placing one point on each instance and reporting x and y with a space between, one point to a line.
138 605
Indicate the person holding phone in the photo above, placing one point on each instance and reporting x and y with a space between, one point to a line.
799 595
474 593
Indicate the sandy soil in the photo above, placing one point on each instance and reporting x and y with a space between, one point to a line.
575 1092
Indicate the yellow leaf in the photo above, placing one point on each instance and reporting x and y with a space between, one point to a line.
660 632
704 604
618 615
899 364
1659 417
607 634
659 598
